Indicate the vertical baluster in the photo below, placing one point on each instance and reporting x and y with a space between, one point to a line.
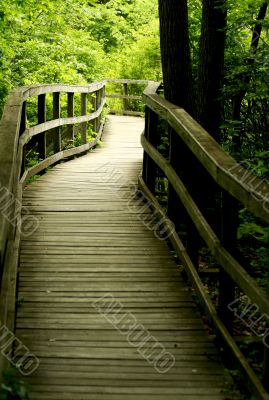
175 161
99 102
41 143
145 157
228 235
22 129
104 92
149 167
83 107
57 140
183 163
70 114
94 105
125 101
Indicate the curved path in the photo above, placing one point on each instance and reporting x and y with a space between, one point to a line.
91 242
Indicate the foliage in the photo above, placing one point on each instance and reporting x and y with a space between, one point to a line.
12 387
76 42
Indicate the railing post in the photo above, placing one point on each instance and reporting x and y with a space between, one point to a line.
125 101
57 140
83 108
228 236
179 159
70 114
41 141
22 129
98 96
94 105
149 167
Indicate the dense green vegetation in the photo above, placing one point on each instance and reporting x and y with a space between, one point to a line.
76 41
82 41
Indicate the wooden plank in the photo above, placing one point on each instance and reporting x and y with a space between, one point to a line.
42 119
126 112
88 244
226 260
37 129
253 383
39 395
240 183
123 96
57 138
51 88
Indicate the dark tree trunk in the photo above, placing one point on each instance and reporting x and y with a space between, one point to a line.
175 51
211 65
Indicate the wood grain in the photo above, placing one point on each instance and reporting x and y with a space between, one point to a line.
91 242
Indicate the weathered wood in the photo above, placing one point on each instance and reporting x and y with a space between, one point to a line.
14 113
129 112
35 130
125 97
64 212
9 136
57 319
22 130
252 381
57 140
229 215
129 81
229 175
36 90
83 108
41 116
94 106
70 114
149 167
226 260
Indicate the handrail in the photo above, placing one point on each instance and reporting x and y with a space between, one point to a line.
196 149
126 97
14 122
16 136
228 175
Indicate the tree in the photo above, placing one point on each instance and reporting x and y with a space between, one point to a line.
211 65
175 52
176 59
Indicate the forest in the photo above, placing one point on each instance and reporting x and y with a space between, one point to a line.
84 41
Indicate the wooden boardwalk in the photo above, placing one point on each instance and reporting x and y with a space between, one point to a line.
90 243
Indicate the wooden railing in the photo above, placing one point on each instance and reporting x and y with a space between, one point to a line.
17 138
129 92
52 122
52 139
196 167
206 187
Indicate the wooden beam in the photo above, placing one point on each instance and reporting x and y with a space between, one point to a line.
251 191
70 114
226 260
83 108
41 116
57 140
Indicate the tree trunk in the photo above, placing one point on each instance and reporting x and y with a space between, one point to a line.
175 52
211 65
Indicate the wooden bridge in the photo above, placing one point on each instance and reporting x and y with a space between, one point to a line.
95 302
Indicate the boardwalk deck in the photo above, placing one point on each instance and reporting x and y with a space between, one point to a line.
91 242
